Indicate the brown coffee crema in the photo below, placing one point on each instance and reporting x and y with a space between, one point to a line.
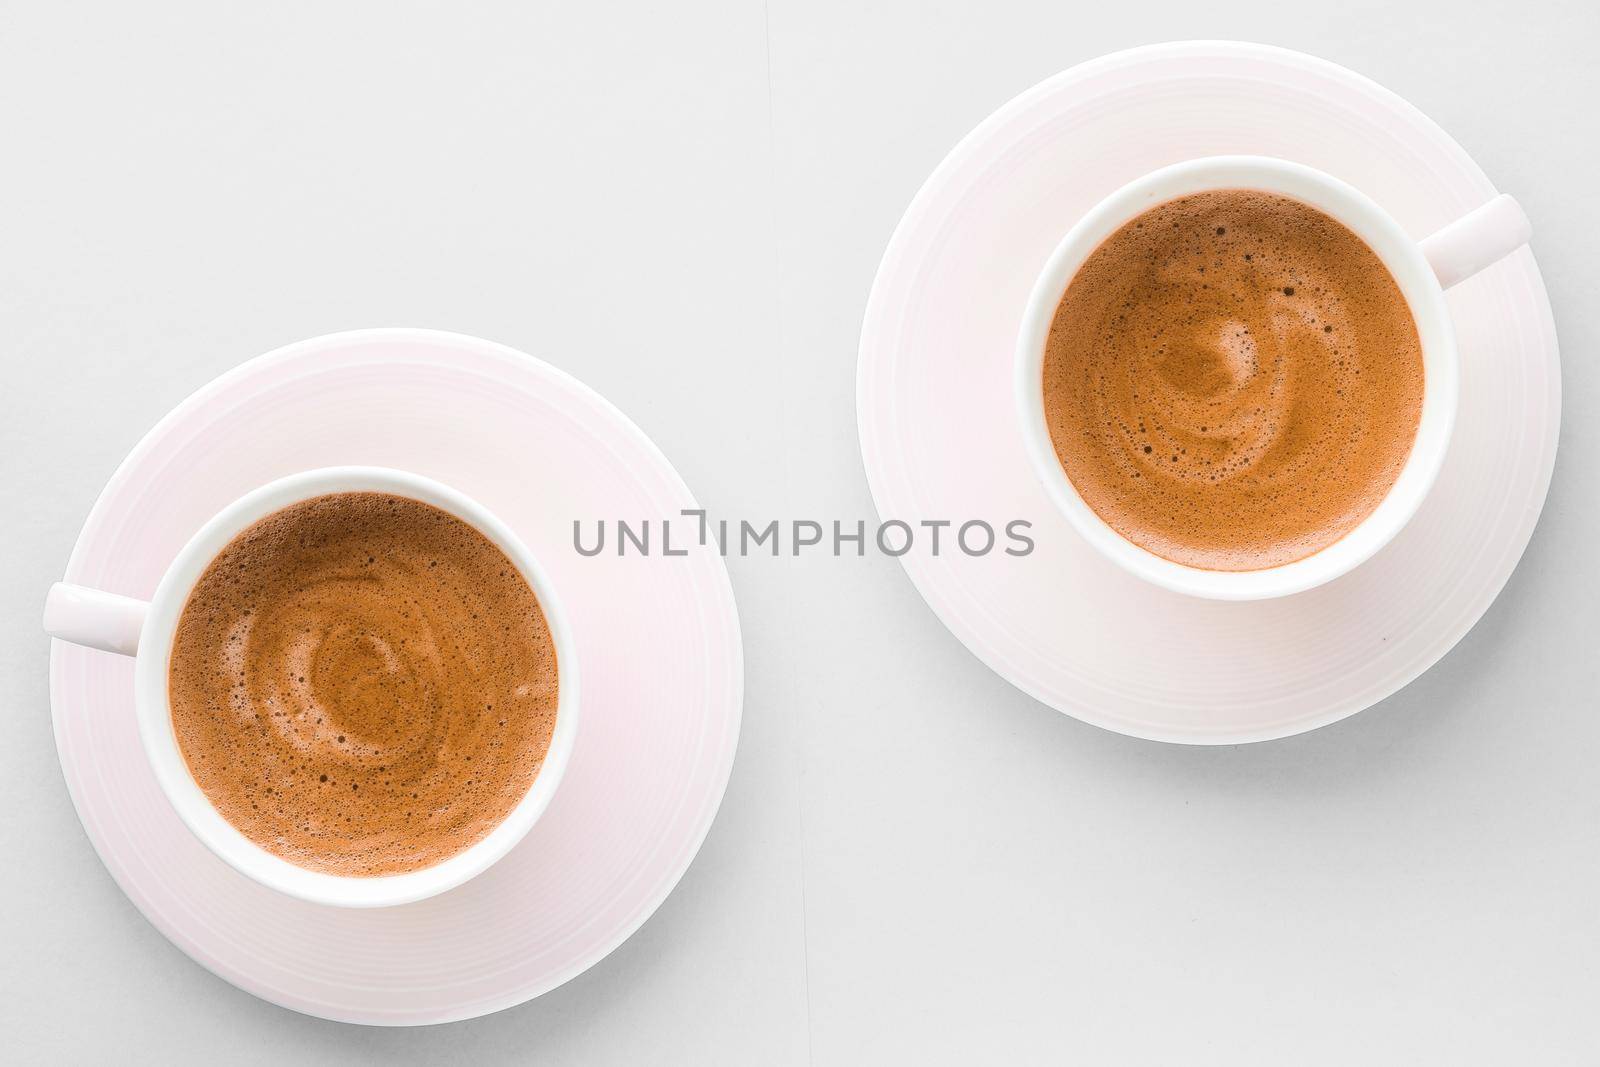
1233 380
363 684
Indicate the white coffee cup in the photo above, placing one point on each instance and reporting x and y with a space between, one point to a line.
1422 271
145 631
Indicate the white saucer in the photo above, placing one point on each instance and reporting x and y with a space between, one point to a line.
658 639
940 440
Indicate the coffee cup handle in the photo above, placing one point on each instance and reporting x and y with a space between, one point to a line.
94 619
1477 240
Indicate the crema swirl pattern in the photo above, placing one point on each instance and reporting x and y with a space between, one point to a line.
363 684
1233 380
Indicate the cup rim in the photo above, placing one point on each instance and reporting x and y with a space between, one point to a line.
1400 254
153 705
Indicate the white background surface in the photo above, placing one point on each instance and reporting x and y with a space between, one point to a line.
684 206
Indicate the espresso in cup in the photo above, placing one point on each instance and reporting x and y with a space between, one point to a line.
363 684
1233 380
